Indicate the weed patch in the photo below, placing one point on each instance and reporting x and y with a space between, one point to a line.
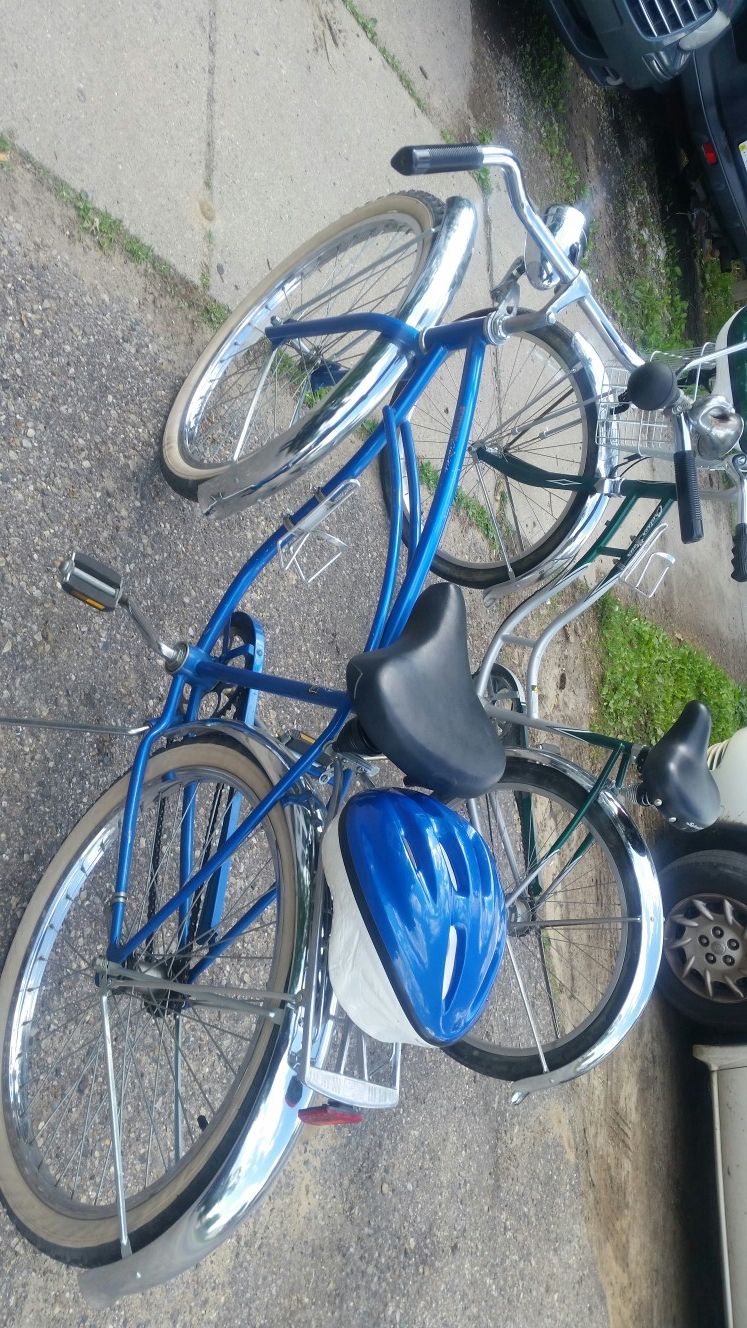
110 233
648 678
717 289
651 309
472 510
368 24
544 67
214 313
137 250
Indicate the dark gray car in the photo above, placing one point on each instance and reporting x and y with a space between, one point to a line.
642 43
714 89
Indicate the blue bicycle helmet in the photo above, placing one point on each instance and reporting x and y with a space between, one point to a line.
419 919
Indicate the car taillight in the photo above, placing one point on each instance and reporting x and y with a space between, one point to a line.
710 154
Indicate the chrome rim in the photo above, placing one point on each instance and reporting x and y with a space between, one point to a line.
529 406
568 930
705 943
177 1068
252 391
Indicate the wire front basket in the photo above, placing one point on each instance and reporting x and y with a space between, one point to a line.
630 432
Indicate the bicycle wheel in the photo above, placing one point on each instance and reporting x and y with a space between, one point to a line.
537 402
574 934
243 391
187 1075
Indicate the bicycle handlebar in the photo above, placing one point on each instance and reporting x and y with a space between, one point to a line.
739 553
432 158
439 157
688 492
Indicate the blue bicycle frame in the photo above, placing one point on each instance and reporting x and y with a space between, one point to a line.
201 670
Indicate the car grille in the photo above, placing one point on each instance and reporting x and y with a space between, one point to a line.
662 18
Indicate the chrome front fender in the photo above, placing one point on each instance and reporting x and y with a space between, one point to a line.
261 1152
652 930
290 454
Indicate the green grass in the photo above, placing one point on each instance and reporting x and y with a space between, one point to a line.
654 312
651 309
110 234
214 313
5 150
544 67
137 250
368 24
717 289
105 229
647 679
312 398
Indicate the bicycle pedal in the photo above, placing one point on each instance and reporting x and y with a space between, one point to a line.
92 582
297 741
328 1114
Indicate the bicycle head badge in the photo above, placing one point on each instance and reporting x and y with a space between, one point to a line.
419 920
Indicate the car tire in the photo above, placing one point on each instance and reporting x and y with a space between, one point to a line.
703 971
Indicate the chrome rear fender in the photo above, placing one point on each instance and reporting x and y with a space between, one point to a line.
652 930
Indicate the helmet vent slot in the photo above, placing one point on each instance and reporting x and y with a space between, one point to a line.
454 964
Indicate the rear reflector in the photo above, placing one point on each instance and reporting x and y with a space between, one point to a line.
709 152
328 1115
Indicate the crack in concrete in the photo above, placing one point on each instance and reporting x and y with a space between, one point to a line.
210 131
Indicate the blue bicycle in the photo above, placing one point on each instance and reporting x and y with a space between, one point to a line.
167 999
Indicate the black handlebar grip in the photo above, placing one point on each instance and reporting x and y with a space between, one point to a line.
739 553
688 497
429 160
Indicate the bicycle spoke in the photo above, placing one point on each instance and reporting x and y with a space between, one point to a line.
143 1094
527 1007
153 1104
183 1060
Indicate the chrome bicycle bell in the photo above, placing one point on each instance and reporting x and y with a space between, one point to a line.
568 226
716 425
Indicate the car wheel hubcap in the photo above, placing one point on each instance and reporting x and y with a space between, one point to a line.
705 944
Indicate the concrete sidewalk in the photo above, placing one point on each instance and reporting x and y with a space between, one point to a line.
225 134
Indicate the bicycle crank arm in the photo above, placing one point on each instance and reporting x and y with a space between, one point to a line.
243 1000
103 588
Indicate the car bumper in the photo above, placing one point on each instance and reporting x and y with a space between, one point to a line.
728 1067
726 181
605 40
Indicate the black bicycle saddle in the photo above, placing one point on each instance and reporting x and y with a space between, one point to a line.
674 773
416 701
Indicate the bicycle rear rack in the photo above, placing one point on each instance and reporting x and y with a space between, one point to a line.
366 1072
